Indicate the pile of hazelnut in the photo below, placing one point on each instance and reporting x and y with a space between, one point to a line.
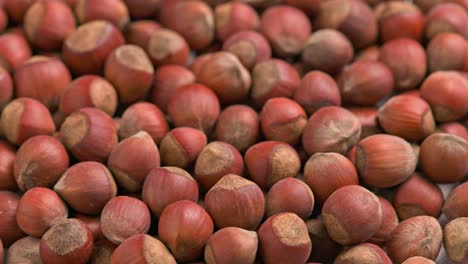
233 132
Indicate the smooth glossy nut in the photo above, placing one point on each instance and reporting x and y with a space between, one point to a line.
352 215
283 238
238 125
89 134
87 187
146 117
167 185
327 50
285 39
235 201
443 158
331 129
418 196
231 245
327 172
185 227
416 236
384 160
132 159
123 217
130 70
38 210
24 118
67 242
271 161
40 162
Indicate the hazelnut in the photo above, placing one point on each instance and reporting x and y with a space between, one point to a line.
47 23
185 227
418 196
40 162
352 215
167 185
24 250
416 236
43 79
146 117
139 32
446 17
407 116
370 53
238 125
235 201
194 20
69 241
418 260
24 118
446 92
194 105
132 159
284 239
87 48
389 223
363 253
249 46
233 17
38 210
231 245
286 40
89 134
142 248
353 18
446 52
167 79
87 187
327 50
216 160
327 172
114 11
167 47
89 91
290 195
14 50
181 146
9 230
365 82
271 161
443 158
316 90
406 59
283 119
456 203
456 238
398 19
273 78
226 76
130 70
384 161
123 217
331 129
